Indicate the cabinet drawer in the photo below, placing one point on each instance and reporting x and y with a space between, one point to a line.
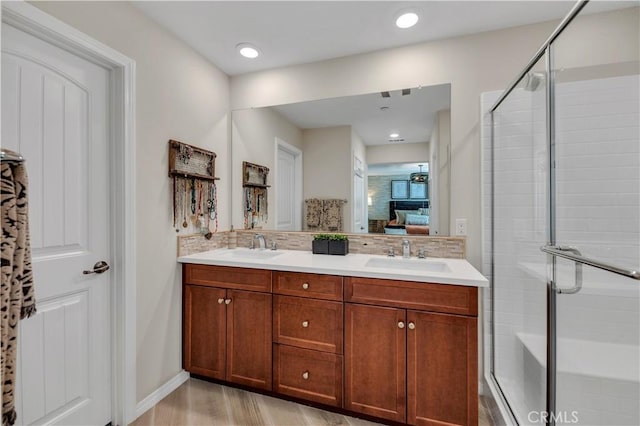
311 375
444 298
327 287
228 277
308 323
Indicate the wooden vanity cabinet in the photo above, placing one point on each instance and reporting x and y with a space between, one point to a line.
227 332
396 350
410 365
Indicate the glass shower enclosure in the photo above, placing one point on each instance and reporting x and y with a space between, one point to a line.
562 198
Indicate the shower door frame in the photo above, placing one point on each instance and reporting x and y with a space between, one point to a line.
546 51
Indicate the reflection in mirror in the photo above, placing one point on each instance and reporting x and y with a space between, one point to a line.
376 163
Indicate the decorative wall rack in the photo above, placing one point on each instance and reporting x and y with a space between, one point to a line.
254 175
256 199
194 189
189 161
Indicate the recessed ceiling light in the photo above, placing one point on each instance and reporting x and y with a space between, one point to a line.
248 50
407 20
394 135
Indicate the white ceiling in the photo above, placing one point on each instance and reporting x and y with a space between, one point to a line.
294 32
412 116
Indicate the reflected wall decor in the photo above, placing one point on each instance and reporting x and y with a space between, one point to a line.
400 189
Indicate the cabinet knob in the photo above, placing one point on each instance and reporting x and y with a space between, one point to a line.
220 301
412 326
305 375
227 301
305 286
305 324
400 324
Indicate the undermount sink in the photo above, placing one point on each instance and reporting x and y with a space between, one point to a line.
255 254
410 264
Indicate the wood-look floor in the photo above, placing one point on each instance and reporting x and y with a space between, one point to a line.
197 402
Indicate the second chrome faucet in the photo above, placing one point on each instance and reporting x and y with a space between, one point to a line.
406 249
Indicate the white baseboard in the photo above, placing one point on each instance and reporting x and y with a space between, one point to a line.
156 396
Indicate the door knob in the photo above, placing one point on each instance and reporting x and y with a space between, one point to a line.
412 326
305 375
305 324
221 301
305 286
227 301
400 324
98 268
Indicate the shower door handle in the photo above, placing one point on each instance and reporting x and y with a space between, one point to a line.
563 251
573 254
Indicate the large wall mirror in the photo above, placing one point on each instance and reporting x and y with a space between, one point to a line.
374 163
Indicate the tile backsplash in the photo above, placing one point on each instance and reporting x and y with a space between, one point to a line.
451 247
197 243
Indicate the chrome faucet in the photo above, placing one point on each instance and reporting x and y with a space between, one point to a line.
406 249
261 242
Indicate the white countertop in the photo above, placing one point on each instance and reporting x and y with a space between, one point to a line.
456 271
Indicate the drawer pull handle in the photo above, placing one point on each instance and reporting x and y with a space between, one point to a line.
227 301
412 326
400 324
305 375
305 286
221 301
305 324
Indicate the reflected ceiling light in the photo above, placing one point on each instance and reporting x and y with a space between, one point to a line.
407 20
248 50
394 135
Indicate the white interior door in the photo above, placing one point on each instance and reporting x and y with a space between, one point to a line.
288 197
358 204
359 197
55 112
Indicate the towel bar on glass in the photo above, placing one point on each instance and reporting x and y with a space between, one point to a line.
566 254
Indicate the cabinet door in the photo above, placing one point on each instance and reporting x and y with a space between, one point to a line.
249 352
204 331
375 361
442 369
